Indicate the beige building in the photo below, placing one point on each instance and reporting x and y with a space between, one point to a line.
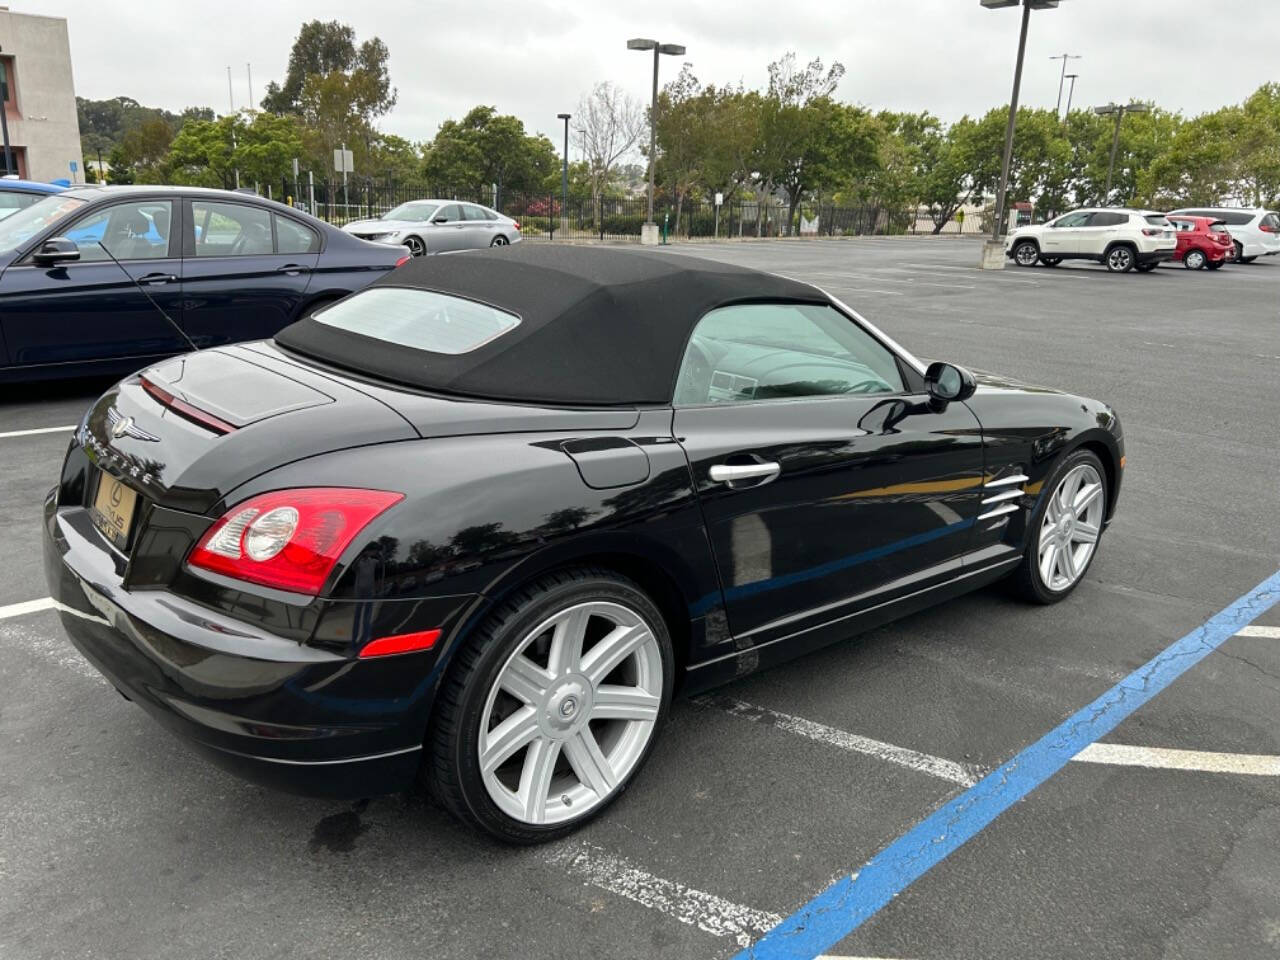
39 97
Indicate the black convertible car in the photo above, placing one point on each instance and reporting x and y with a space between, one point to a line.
476 523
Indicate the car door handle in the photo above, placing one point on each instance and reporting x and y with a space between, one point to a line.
293 269
729 472
157 278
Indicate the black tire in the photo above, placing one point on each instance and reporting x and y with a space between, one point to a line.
417 248
1248 259
451 770
1026 579
1120 258
499 241
1214 264
1145 267
1025 253
1051 261
1194 260
1237 252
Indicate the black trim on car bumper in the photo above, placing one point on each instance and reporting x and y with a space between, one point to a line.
276 712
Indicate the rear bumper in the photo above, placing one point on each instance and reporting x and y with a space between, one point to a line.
1156 256
269 709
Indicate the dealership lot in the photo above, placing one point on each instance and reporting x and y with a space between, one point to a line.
115 841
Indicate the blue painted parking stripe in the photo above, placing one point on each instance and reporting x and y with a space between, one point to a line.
849 902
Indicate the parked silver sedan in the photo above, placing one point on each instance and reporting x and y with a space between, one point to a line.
438 226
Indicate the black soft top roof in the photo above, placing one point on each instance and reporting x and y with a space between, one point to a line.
598 325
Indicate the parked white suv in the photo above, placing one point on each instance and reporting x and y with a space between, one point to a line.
1121 239
1255 230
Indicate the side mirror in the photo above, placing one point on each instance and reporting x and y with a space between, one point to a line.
439 219
56 250
946 382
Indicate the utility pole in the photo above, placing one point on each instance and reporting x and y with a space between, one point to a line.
1070 93
564 177
1119 110
1064 57
249 70
231 97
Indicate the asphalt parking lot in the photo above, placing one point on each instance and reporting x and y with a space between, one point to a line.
116 842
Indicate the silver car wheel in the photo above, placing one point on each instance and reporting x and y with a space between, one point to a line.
571 713
1026 254
1194 260
1071 526
1120 259
499 241
416 247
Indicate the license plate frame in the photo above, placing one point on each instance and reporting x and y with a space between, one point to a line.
113 510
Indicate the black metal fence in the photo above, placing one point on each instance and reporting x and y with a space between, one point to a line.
619 218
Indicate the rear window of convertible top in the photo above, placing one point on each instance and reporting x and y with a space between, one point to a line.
419 319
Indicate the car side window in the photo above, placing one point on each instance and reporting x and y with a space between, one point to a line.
771 351
230 229
293 237
473 213
130 231
1072 220
448 213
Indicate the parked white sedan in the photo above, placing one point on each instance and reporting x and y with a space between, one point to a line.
438 226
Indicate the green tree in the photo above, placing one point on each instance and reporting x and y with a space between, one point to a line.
261 146
325 48
486 147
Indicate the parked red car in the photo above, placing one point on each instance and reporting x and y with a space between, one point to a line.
1202 242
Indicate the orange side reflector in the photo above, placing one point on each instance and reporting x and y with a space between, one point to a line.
400 643
1122 463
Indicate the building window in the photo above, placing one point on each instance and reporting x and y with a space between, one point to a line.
4 79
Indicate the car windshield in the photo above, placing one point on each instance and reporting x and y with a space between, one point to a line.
413 210
419 319
17 228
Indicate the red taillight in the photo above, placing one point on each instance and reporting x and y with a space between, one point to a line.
516 224
1151 231
1267 228
289 539
186 410
403 260
400 643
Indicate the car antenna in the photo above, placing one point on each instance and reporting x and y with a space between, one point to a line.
147 293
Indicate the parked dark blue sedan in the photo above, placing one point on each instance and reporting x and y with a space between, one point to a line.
224 266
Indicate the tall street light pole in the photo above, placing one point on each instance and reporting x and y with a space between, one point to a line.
993 249
1064 57
1070 93
564 173
649 232
1119 110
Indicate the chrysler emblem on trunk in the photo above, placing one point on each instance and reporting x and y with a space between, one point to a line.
122 426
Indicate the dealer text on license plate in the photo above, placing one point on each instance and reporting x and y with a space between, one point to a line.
113 507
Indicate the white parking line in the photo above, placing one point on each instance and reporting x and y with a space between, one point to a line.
1119 754
697 908
1271 633
32 433
49 646
25 607
890 753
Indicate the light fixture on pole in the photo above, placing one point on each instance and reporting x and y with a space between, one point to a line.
1070 93
649 231
564 173
1119 110
1064 57
993 249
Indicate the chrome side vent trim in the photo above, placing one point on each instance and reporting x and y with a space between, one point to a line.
1001 501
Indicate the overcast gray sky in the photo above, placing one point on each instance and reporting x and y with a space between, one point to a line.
534 58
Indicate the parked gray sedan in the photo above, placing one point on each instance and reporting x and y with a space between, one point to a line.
438 226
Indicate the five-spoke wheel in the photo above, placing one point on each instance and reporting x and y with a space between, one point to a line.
1064 529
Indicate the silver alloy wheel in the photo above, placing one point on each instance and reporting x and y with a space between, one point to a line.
1071 526
1026 254
499 241
1194 260
1120 258
416 247
571 713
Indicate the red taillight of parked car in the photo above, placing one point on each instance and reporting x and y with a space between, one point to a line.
403 260
1152 231
516 224
1267 228
289 539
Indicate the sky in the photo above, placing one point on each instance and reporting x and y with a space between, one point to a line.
535 58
